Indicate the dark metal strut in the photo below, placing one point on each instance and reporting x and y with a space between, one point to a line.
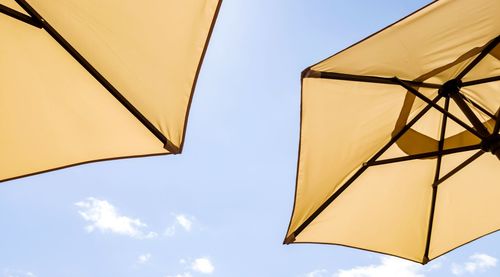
365 79
365 166
490 142
437 107
436 178
452 89
19 16
479 107
481 81
490 46
460 167
426 155
37 20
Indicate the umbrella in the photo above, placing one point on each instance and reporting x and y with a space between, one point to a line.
399 136
85 81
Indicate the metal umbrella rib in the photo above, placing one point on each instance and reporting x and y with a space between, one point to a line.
436 179
20 16
92 85
98 76
401 199
361 170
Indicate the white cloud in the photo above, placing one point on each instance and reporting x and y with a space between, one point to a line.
103 216
476 263
144 258
203 265
17 273
184 221
185 274
388 267
317 273
200 265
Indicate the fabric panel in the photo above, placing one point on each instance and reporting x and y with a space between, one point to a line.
433 37
150 51
467 205
13 5
385 210
53 113
343 125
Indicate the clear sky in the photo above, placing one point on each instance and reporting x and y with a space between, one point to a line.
223 206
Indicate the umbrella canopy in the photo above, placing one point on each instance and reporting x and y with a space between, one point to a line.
92 80
394 131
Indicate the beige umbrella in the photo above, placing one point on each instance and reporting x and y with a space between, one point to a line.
394 131
94 80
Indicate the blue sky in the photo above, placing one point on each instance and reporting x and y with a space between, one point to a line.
223 206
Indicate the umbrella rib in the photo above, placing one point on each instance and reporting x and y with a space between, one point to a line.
478 125
437 107
427 155
98 76
20 16
436 178
364 78
365 166
460 167
481 81
490 46
497 123
479 107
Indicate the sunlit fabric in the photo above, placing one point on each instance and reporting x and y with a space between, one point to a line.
366 107
54 113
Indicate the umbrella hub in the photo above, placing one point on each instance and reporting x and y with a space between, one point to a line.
491 144
450 88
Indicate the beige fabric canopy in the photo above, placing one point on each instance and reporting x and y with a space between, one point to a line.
393 135
93 80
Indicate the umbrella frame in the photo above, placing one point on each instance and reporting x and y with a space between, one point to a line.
490 142
36 20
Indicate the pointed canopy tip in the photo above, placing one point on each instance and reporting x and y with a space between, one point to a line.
289 239
117 134
170 147
363 63
309 73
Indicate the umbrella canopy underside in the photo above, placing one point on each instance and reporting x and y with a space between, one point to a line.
95 80
379 167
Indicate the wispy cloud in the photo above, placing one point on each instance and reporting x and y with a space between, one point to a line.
388 266
17 273
185 222
185 274
317 273
181 220
203 265
104 217
199 265
144 258
476 263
